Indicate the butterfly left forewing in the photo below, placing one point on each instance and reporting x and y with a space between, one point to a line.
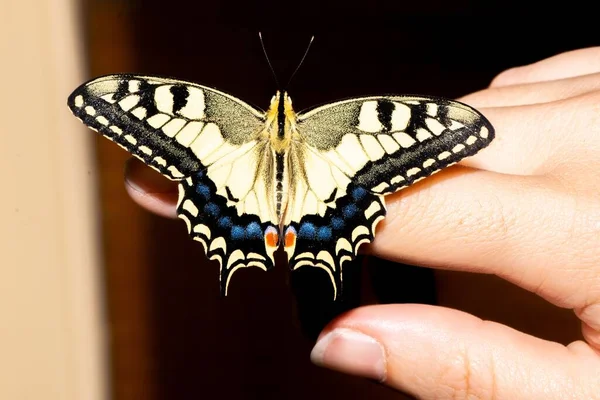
173 126
359 150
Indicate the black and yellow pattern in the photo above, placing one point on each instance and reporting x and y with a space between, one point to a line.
252 181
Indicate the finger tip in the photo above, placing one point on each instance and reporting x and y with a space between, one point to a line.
149 189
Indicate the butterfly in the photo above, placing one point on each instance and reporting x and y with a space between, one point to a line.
252 181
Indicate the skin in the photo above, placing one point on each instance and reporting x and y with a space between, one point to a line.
526 209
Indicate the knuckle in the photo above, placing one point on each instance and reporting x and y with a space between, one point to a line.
506 77
469 378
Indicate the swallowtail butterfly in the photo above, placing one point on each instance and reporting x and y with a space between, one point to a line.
252 181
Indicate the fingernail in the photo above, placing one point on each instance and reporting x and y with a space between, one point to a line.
351 352
145 179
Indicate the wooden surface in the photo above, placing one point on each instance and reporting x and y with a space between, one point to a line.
171 335
51 313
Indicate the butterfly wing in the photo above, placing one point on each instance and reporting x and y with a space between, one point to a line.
358 150
205 139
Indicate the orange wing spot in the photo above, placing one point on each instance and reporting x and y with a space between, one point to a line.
272 239
290 238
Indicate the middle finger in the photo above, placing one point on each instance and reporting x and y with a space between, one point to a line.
534 93
535 139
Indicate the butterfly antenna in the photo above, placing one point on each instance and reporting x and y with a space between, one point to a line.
262 43
301 61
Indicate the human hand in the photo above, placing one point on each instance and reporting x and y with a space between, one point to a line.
526 209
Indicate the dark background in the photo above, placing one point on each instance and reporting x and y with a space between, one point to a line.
171 335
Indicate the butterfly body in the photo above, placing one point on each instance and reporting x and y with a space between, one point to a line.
253 181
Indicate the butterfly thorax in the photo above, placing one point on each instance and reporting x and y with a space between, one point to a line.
280 129
280 122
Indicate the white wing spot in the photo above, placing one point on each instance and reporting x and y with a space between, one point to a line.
326 257
218 243
139 112
428 163
131 139
129 102
372 147
456 125
444 155
194 106
207 141
164 99
432 109
236 256
158 120
404 139
174 171
90 110
102 120
188 134
381 187
458 148
145 150
133 86
368 120
343 244
256 256
389 144
359 231
352 152
202 229
79 101
173 126
160 161
413 171
471 139
484 132
190 207
423 134
400 116
116 129
372 209
435 126
109 98
397 179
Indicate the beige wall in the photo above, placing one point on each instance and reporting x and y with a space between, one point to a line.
51 317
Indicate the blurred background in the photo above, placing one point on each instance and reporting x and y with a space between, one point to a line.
99 299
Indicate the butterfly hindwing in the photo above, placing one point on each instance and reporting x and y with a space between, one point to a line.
235 240
359 150
328 240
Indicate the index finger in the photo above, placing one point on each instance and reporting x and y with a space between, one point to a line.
565 65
